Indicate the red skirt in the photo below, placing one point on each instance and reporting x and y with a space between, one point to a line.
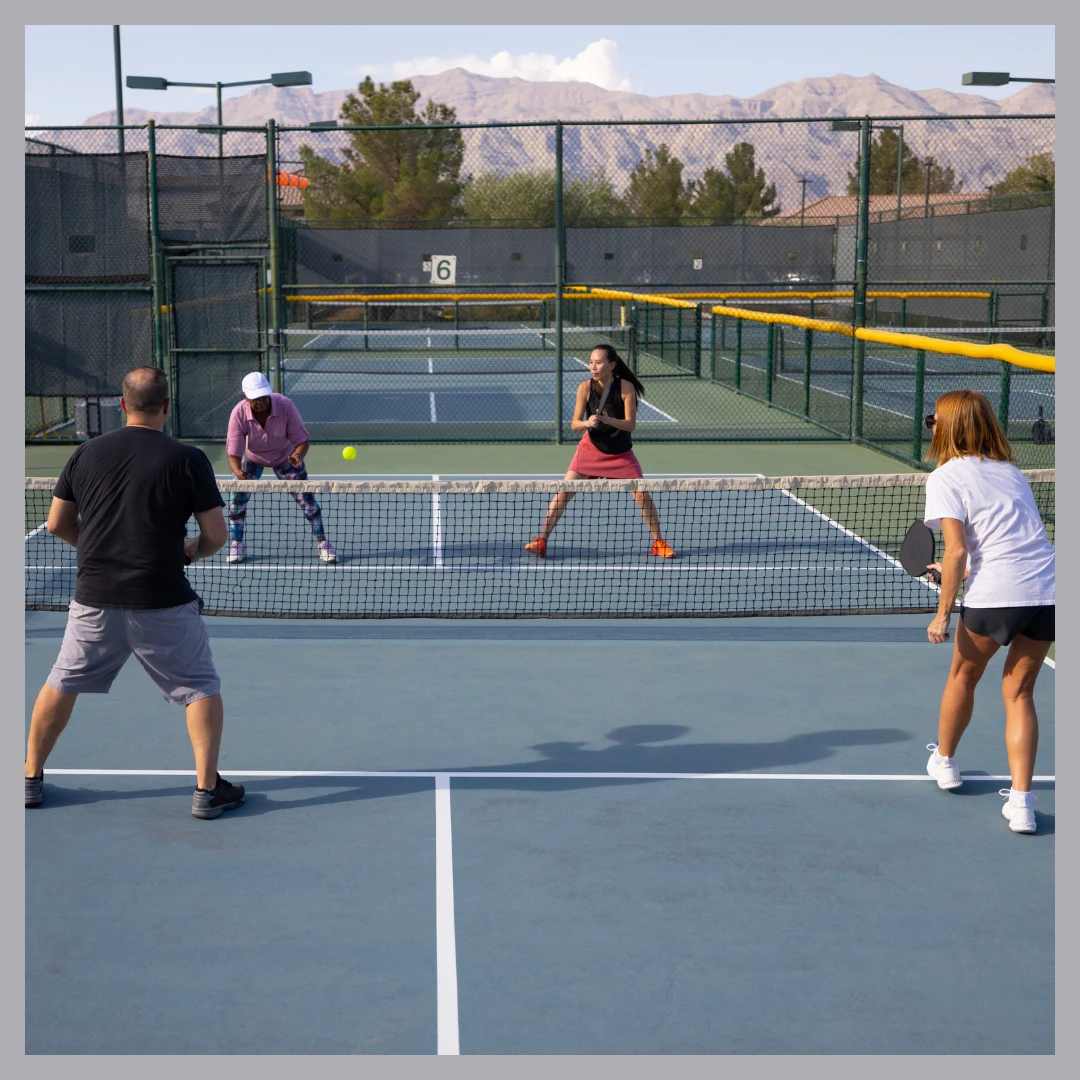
596 465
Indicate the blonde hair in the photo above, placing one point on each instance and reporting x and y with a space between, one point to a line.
966 425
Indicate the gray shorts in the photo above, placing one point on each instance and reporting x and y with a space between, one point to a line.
171 644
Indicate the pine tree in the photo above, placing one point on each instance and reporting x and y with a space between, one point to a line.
1035 175
656 188
404 175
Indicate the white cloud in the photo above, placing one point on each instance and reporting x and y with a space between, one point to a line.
597 63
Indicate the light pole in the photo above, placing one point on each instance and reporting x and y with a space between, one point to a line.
994 78
119 90
802 213
282 78
929 170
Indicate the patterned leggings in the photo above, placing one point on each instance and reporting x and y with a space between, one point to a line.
239 500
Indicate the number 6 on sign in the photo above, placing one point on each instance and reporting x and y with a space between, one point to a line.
443 269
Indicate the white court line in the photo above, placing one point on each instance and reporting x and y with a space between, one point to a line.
36 531
436 527
445 936
431 397
866 543
483 775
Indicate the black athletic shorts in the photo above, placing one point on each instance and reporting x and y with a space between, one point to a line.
1004 623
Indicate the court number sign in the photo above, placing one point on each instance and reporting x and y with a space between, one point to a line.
443 269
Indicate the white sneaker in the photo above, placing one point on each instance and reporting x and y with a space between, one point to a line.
947 776
1021 818
327 552
237 551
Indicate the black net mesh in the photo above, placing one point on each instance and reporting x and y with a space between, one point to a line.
213 200
206 389
216 305
87 217
80 343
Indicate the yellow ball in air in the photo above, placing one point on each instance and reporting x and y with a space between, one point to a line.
349 453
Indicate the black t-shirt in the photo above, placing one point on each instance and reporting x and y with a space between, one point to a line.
135 490
608 439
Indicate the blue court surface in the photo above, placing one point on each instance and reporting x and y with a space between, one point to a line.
336 378
541 837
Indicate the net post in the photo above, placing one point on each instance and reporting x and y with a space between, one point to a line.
631 345
157 281
678 337
663 342
919 407
457 313
738 353
560 280
990 305
807 348
697 339
770 346
273 351
903 312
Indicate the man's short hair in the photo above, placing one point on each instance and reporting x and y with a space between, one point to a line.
145 390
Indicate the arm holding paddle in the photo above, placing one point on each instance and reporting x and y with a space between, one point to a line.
953 568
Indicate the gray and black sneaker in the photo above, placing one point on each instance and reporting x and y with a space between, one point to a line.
33 789
213 803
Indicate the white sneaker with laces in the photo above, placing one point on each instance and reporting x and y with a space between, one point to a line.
1021 818
327 552
947 775
237 551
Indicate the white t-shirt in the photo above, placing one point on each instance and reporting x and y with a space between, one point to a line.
1011 560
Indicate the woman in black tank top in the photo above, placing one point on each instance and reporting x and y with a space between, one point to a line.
605 411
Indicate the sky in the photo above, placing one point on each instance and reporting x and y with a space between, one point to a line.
69 69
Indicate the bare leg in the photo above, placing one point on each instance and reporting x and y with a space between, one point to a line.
649 513
1022 667
971 654
52 711
558 506
205 718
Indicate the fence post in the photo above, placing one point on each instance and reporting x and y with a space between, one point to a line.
1003 396
990 317
861 230
697 340
808 338
560 280
712 343
273 351
157 282
738 353
917 423
770 345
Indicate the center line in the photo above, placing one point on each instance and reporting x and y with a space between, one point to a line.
445 939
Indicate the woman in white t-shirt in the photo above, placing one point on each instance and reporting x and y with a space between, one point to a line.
987 516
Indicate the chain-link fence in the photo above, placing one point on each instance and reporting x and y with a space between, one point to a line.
297 251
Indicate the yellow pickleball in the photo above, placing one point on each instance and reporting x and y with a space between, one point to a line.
349 453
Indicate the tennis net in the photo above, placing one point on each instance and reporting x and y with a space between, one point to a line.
743 546
442 351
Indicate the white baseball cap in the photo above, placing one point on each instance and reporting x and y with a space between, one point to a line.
255 385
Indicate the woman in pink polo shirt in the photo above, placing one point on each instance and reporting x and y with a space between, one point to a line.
265 430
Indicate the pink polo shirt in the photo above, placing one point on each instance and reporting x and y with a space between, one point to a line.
267 445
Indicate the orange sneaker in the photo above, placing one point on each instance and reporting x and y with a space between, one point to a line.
662 549
537 546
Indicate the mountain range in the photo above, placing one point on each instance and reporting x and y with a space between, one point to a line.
979 151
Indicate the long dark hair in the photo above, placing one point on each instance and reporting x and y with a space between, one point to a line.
621 370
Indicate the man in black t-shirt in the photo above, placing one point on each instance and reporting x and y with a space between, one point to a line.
123 501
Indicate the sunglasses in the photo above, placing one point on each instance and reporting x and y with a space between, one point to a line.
931 420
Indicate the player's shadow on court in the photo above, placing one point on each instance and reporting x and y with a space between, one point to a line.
636 751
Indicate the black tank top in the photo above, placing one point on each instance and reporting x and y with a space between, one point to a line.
607 439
